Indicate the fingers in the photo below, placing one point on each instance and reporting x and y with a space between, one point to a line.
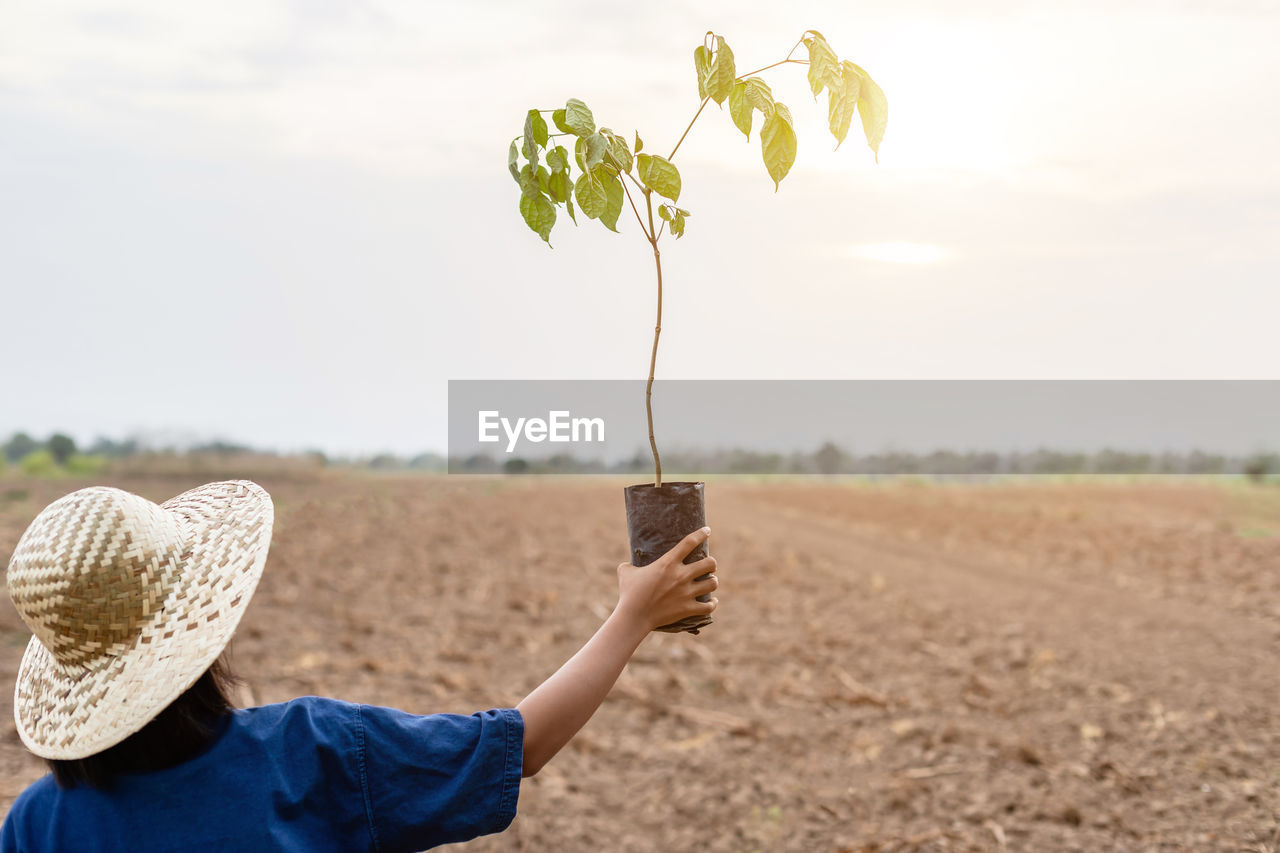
711 584
706 607
688 543
704 566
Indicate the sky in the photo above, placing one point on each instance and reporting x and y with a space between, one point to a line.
291 223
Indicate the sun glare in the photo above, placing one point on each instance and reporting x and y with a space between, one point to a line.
899 252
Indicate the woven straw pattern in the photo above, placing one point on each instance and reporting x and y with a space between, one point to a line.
129 603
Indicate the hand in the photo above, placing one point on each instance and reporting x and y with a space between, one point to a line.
657 594
665 590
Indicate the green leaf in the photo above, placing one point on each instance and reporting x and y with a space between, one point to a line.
578 119
558 159
539 214
841 102
778 144
873 107
613 194
559 187
740 108
530 147
580 152
536 126
596 146
660 175
619 152
758 95
529 180
824 67
677 224
558 118
701 65
513 157
591 195
674 217
722 74
639 146
543 178
568 205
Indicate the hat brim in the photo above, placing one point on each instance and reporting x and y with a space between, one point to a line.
70 713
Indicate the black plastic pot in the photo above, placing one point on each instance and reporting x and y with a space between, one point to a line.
658 517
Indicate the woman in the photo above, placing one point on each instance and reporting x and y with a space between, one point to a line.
124 692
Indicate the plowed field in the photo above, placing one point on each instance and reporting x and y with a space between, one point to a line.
1027 666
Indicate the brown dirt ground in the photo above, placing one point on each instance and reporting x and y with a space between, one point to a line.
894 667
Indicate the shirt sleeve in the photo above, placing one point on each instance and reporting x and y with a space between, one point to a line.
15 835
438 779
9 835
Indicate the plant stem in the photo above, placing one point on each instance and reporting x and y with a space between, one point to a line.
774 65
639 221
689 128
653 234
653 358
703 105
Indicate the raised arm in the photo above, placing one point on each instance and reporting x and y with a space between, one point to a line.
657 594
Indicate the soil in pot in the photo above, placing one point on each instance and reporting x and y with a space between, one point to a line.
658 517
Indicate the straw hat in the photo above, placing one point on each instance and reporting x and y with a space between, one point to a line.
129 603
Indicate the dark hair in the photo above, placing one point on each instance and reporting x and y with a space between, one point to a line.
178 733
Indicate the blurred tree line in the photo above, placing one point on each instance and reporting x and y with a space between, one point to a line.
59 454
832 460
56 454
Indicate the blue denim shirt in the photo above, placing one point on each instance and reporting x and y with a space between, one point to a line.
312 774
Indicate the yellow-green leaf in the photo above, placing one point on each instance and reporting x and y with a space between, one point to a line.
659 174
596 146
778 144
559 187
740 108
639 143
530 146
823 64
758 95
578 118
873 107
557 116
513 157
722 74
529 180
591 196
536 126
539 214
558 159
613 194
841 103
702 66
619 152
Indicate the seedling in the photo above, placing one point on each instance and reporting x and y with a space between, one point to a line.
613 172
607 163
